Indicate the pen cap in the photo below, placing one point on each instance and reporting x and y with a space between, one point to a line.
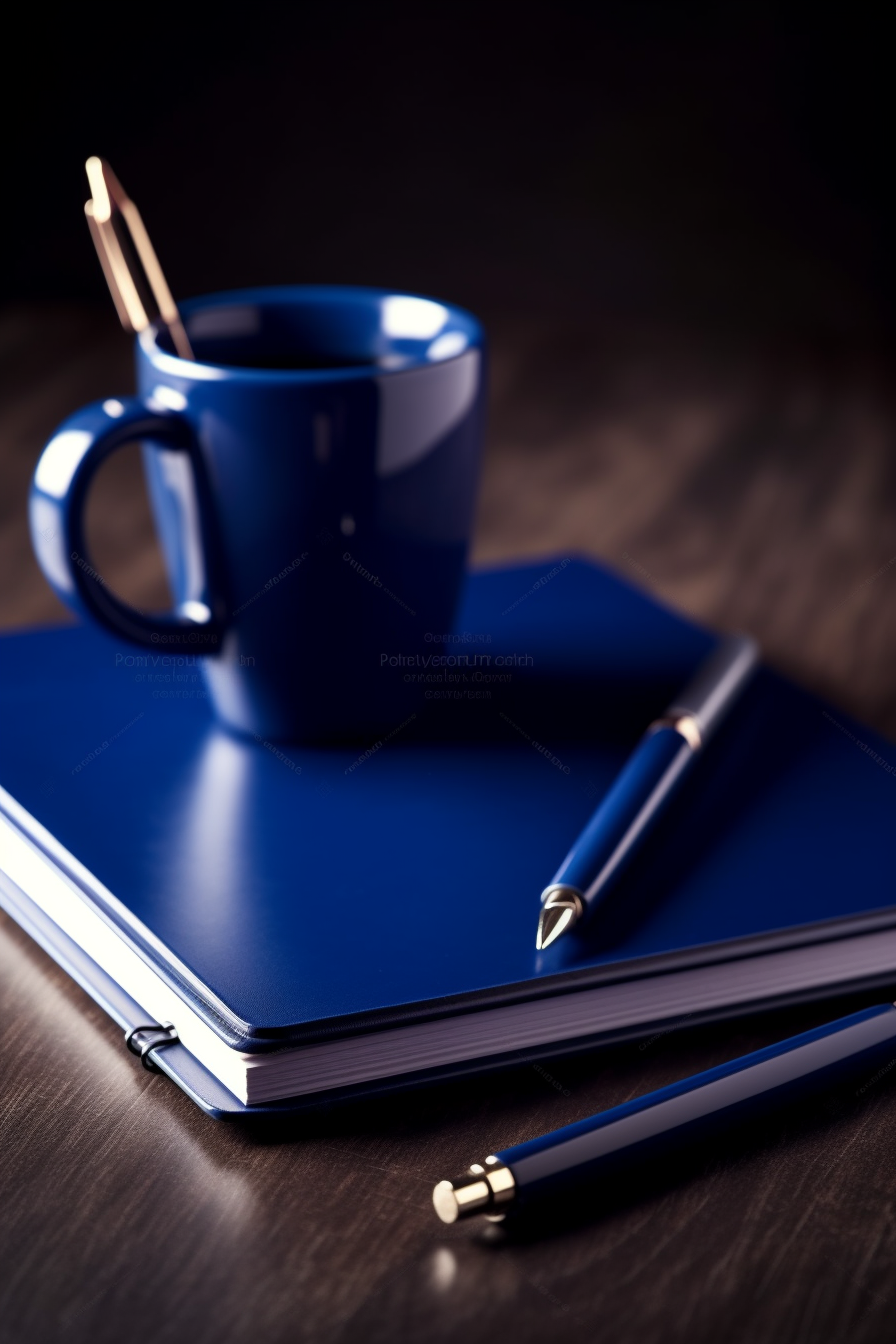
718 682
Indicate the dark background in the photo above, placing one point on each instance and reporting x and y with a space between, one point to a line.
725 163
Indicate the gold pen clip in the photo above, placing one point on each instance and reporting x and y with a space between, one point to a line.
131 286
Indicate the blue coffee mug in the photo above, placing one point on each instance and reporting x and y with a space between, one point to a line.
312 476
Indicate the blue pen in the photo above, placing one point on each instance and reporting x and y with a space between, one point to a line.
661 1123
650 776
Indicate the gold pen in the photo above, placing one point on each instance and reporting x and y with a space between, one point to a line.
135 288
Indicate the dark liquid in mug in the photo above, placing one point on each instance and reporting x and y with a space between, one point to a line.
306 359
256 354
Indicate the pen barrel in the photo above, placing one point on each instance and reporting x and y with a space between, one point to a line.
717 684
643 1131
633 803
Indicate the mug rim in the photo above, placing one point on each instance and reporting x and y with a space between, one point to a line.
456 319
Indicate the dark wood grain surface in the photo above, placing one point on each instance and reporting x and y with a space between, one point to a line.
755 488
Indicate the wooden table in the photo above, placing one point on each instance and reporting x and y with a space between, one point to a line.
753 487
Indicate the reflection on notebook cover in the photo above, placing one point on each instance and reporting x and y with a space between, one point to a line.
320 920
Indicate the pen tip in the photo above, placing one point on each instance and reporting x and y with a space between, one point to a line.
558 915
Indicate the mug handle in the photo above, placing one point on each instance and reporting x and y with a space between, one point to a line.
59 489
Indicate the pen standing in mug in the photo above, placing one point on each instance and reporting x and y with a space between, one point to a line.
136 289
648 780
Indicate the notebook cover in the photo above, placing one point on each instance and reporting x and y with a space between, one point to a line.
305 893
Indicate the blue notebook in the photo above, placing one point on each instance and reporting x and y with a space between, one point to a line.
324 923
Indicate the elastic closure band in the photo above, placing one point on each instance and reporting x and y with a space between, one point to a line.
151 1036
